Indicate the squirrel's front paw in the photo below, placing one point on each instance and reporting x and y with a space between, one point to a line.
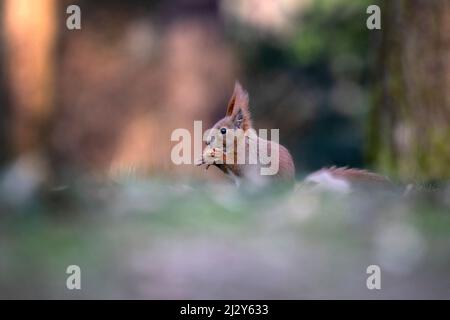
212 155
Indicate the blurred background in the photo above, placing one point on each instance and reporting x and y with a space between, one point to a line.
102 101
107 97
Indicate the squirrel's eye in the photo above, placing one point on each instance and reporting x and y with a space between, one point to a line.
223 130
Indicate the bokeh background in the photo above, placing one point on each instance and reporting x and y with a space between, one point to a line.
108 96
86 176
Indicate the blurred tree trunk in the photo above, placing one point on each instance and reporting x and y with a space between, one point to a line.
411 124
29 28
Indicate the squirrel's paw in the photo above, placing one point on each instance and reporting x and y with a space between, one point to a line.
211 156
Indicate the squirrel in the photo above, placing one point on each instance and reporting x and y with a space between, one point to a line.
219 154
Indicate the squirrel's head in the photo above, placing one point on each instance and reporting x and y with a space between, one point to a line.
229 130
237 114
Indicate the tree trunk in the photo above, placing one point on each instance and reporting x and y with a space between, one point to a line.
410 135
29 29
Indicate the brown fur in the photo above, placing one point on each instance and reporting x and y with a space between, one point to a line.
238 116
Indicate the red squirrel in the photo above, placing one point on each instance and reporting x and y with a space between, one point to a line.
238 117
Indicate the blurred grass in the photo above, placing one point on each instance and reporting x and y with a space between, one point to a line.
160 239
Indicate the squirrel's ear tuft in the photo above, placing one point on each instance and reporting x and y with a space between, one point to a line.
239 99
241 96
238 108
